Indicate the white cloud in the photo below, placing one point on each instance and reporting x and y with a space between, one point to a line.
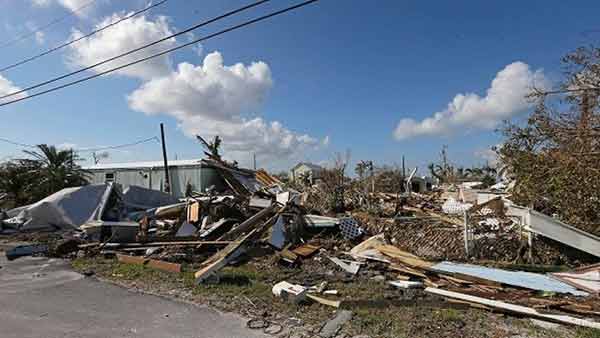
40 37
213 99
7 87
70 5
41 3
66 145
127 35
489 155
503 100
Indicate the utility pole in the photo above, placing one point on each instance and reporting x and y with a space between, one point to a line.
403 169
254 160
164 151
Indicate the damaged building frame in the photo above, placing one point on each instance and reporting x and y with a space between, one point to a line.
197 175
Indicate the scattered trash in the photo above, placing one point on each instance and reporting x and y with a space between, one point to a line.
251 214
332 327
289 292
26 250
349 266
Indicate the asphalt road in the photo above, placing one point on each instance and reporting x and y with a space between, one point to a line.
42 297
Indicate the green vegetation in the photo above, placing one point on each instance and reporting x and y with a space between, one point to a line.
46 170
380 310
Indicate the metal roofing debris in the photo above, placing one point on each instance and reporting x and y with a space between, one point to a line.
348 266
278 234
146 198
562 232
584 278
257 202
186 230
321 221
404 284
523 279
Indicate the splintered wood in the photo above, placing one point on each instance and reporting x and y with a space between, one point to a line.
152 263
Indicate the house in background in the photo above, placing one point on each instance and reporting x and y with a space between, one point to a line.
303 170
421 184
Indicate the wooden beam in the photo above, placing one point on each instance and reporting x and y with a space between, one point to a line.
152 263
513 308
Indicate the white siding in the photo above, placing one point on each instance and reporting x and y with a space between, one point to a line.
154 178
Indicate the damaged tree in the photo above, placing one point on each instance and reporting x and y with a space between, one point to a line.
554 158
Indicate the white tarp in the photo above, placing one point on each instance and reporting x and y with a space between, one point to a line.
144 198
68 208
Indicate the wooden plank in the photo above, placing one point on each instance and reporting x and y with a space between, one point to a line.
165 266
324 301
152 263
220 259
249 223
174 243
306 250
409 271
131 259
512 308
404 257
193 212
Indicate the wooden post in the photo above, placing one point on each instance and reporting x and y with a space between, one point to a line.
466 234
164 151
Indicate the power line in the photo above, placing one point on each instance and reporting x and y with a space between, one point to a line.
83 150
16 143
247 23
48 25
134 50
143 10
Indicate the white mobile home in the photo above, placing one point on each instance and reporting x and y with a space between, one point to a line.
151 175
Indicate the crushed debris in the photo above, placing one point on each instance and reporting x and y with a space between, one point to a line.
413 244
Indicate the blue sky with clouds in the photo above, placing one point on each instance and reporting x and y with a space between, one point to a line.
381 78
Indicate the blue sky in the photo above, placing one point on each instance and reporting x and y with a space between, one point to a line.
335 75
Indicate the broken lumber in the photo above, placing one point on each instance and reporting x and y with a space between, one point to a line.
328 302
152 263
512 308
231 251
249 223
221 259
404 257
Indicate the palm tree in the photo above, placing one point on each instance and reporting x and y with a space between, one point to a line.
55 169
15 179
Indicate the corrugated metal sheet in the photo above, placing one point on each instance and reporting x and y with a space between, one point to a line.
523 279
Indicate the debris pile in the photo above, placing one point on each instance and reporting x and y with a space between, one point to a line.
415 242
